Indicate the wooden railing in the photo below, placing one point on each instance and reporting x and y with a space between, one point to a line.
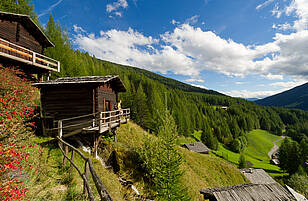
99 120
88 165
16 52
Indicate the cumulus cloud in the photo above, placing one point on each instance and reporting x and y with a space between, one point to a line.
251 94
115 6
298 8
200 86
194 80
188 51
287 85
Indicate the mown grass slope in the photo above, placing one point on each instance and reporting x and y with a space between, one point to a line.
260 143
200 171
51 181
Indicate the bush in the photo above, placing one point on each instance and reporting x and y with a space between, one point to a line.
15 108
299 183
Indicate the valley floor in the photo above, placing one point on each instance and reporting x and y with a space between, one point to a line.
260 142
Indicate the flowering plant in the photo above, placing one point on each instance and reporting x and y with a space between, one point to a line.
16 107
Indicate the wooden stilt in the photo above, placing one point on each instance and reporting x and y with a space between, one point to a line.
66 153
71 167
115 135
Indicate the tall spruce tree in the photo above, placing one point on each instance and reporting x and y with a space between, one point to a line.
162 162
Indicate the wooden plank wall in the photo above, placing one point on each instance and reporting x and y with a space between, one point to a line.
66 102
8 31
107 93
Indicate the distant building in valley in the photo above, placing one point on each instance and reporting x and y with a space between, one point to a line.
262 188
197 147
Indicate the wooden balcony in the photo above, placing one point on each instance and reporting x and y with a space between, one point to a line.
17 53
99 122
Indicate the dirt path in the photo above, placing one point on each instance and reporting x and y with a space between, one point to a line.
275 147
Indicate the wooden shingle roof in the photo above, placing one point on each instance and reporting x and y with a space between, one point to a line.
257 176
28 23
248 192
197 147
114 80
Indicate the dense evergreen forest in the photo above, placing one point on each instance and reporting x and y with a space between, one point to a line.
193 109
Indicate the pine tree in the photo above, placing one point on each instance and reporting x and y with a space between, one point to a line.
19 7
162 162
242 161
141 109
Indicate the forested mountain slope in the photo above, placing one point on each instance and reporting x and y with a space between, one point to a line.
191 107
293 98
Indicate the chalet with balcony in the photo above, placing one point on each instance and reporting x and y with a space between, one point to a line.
83 107
22 45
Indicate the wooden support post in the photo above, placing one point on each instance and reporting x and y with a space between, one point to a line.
95 145
86 173
60 131
115 135
72 157
100 126
66 153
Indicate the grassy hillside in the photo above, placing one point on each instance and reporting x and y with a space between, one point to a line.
293 98
201 171
260 143
49 180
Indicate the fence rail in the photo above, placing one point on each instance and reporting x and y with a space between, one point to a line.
13 51
88 165
95 121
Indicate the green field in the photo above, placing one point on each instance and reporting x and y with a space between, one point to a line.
260 143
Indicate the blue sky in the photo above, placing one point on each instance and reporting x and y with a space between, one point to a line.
243 48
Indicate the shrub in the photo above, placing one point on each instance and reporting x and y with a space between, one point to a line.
15 108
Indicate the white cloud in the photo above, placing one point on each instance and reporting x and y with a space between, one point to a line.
200 86
239 83
192 20
188 51
50 8
298 8
273 77
266 3
194 80
78 29
251 94
287 85
174 22
115 6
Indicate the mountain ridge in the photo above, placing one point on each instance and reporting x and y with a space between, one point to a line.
296 98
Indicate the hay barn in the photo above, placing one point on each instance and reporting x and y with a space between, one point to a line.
197 147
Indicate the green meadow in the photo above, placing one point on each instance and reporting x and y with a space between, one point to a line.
260 142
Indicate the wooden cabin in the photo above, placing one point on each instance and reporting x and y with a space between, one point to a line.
69 98
248 192
22 45
197 147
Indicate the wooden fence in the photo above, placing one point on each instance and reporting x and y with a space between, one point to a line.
16 52
88 165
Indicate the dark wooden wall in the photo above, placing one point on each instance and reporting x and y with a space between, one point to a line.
107 93
65 102
16 33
